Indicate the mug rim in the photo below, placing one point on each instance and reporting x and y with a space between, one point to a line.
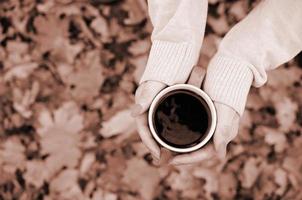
198 92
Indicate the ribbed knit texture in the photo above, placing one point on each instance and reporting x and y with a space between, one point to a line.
228 81
169 62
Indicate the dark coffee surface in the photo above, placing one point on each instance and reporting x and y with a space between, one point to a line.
181 118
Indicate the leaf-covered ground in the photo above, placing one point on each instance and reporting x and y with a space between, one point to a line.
68 72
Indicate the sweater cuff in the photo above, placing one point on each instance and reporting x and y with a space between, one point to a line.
228 81
169 62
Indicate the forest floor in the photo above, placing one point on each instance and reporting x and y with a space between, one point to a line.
68 73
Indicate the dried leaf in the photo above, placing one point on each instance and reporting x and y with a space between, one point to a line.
87 161
281 180
84 83
100 194
286 113
12 155
138 169
211 179
66 185
60 136
36 173
126 124
22 102
227 185
21 71
140 48
276 138
250 173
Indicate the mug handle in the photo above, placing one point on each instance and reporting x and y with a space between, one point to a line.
197 76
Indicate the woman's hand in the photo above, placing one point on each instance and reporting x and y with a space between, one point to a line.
144 95
226 129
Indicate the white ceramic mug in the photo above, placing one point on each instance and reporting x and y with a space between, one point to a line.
193 85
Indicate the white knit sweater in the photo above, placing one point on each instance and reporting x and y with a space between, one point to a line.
268 37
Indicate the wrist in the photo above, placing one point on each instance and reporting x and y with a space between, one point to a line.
228 81
170 62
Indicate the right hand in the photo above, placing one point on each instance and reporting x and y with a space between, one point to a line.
144 96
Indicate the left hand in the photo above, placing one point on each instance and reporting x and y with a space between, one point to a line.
226 130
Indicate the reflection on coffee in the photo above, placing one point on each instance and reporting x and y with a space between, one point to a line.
182 119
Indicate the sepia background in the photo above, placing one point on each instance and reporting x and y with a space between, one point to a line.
68 72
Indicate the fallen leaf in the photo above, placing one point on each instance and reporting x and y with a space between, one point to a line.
250 173
103 195
227 185
36 173
239 10
21 71
66 185
140 48
137 169
87 161
126 124
100 26
276 138
23 101
60 136
211 179
286 113
12 154
281 180
85 81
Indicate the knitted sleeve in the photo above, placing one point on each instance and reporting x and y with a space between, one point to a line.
268 37
176 39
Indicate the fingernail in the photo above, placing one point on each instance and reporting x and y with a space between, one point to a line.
155 155
136 110
222 150
155 161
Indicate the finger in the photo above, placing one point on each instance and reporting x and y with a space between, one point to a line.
226 129
145 135
197 76
194 157
144 95
221 140
165 157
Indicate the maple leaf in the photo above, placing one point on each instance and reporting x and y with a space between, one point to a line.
65 185
60 136
53 36
35 173
137 172
85 81
52 32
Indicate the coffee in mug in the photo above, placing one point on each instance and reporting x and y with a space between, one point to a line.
182 118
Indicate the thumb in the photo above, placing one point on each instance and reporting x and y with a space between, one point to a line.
227 128
144 95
